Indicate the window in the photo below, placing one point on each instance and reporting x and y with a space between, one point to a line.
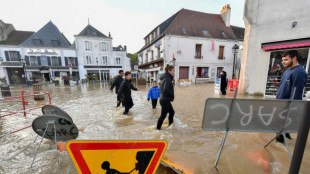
88 60
183 30
146 58
72 60
205 32
218 71
202 72
33 61
55 61
88 45
198 51
14 56
118 60
158 52
104 60
103 46
156 33
152 53
221 52
44 61
55 43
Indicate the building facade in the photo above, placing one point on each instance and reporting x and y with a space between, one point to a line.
97 56
267 37
198 44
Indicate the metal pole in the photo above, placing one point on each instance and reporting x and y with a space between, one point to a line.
301 141
287 146
39 146
234 76
221 149
24 104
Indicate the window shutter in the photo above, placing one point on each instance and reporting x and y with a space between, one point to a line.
27 60
59 59
66 61
19 56
76 61
49 61
39 60
6 55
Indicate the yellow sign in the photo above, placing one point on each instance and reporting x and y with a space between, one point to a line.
116 156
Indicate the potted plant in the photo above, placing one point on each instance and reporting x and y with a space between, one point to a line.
14 79
76 79
56 82
66 80
5 88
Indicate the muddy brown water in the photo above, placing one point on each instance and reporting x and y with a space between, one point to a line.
190 149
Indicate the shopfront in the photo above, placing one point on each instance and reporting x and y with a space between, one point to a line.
276 69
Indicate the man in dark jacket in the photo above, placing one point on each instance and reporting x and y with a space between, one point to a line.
167 96
124 92
294 76
117 83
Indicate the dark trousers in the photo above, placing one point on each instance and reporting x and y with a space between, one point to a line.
128 103
118 104
223 90
154 103
166 107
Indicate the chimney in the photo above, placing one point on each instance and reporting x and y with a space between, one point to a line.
225 14
109 34
125 47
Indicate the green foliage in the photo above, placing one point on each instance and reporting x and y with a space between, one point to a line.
3 81
133 57
87 78
14 79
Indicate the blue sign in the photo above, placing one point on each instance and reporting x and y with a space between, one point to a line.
217 81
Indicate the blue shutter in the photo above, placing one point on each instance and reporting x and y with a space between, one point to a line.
49 61
59 59
76 61
19 56
6 55
66 61
39 60
27 60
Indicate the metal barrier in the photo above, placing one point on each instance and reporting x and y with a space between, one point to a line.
24 103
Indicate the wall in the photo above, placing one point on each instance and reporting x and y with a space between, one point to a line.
268 21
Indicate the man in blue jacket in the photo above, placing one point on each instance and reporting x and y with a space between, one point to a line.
154 94
294 76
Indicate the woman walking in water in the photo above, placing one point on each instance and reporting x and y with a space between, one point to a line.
167 96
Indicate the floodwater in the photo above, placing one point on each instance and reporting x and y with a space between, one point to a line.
190 149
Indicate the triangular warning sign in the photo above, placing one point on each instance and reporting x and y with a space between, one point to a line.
134 157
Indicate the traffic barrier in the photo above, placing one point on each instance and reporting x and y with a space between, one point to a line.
232 84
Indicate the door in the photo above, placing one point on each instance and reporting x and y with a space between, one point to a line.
183 72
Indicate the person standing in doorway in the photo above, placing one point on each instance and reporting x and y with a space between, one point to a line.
223 77
117 83
154 94
294 76
167 96
124 92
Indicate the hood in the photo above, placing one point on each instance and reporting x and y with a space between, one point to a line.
165 76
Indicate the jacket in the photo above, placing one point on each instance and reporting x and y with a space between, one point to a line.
166 87
124 91
117 83
154 93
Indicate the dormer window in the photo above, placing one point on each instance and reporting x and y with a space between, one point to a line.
55 43
223 34
205 32
37 42
183 30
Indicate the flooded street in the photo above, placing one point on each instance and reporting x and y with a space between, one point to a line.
190 149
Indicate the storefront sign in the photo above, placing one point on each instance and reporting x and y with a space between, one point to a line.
41 51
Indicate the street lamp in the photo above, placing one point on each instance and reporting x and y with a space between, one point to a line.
235 49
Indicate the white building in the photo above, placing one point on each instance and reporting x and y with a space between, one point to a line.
96 55
200 43
267 36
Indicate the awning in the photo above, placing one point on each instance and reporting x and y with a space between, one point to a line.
298 43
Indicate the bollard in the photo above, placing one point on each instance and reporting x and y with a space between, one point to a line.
37 91
301 141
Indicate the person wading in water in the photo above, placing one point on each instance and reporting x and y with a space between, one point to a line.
167 96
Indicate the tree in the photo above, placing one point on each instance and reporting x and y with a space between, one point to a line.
133 57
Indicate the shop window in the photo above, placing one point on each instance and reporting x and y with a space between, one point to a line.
276 70
202 72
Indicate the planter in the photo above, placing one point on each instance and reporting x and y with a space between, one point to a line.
66 82
56 83
5 91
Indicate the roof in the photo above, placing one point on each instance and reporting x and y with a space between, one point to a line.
119 48
90 31
197 24
239 32
45 36
16 37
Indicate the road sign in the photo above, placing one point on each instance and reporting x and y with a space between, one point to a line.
252 115
54 110
116 156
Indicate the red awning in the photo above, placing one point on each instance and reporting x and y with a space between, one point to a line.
287 45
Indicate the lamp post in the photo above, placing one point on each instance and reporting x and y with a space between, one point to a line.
235 49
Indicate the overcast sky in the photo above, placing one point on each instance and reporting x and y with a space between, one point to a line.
128 20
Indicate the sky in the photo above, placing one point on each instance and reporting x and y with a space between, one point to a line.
128 21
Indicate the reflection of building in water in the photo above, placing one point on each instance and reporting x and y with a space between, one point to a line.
267 38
